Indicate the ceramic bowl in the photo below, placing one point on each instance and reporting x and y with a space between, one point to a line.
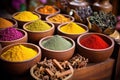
22 67
43 15
73 36
35 36
21 23
58 23
15 24
60 55
20 40
96 55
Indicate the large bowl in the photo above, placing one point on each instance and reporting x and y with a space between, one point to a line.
43 15
60 55
21 23
20 68
96 55
20 40
73 36
35 36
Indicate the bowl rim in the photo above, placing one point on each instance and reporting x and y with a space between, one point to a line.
66 15
52 27
59 26
69 76
67 38
24 35
41 6
112 41
39 16
37 47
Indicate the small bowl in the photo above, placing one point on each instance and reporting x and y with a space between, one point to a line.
35 36
20 68
20 40
56 54
96 55
73 36
15 24
57 23
43 16
21 23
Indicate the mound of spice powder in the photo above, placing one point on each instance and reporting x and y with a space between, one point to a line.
57 43
38 25
72 28
4 23
10 34
18 53
47 9
94 42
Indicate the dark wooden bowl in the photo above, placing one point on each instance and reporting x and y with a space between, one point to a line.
96 55
19 68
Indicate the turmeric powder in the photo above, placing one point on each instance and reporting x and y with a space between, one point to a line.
26 16
18 53
59 18
72 28
4 23
47 9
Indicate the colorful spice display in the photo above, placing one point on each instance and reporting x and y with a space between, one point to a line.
52 70
26 16
59 18
38 25
10 34
18 53
94 42
57 43
72 28
47 9
4 23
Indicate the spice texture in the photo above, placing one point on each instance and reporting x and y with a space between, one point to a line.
18 53
38 25
94 42
57 43
26 16
72 28
4 23
10 34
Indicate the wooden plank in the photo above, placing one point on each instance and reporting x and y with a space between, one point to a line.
98 71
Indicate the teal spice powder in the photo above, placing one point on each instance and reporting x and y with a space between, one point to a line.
57 43
38 25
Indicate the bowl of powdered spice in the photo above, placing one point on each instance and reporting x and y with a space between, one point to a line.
57 47
7 22
12 35
38 29
96 47
72 29
24 17
16 59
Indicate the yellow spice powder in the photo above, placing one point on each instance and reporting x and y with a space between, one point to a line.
72 28
26 16
18 53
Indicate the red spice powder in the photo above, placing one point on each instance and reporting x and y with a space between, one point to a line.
94 42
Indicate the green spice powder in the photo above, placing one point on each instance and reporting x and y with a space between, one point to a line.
38 25
57 43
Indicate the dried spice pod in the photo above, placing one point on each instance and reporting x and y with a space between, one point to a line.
51 70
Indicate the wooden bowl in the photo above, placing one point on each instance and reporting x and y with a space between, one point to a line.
43 15
21 23
20 40
96 55
19 68
73 36
60 55
35 36
58 23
